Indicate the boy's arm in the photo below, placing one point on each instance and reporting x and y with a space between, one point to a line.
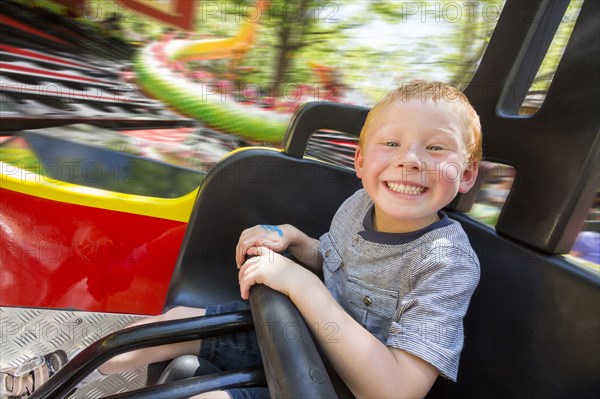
369 368
306 250
280 238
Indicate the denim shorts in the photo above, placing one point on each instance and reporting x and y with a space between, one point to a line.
234 351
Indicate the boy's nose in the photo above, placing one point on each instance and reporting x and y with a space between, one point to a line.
409 158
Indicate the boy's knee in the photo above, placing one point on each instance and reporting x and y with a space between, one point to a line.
213 395
112 365
182 312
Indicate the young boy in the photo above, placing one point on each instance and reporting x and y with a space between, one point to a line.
398 273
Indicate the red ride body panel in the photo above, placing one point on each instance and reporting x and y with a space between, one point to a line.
61 255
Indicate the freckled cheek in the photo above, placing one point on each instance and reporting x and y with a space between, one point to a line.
378 161
387 158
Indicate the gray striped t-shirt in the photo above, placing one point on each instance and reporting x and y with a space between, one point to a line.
410 290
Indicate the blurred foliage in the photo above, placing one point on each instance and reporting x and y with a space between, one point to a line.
441 40
545 74
434 39
485 213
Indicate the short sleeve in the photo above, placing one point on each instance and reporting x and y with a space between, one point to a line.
429 321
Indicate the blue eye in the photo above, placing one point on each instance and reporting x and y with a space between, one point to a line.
436 148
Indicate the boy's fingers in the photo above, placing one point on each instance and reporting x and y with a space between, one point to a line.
243 242
242 250
244 292
254 251
240 272
238 252
247 278
247 268
253 237
272 245
261 250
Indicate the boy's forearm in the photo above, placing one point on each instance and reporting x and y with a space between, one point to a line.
333 328
306 250
368 367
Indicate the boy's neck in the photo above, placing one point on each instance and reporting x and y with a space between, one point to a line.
403 226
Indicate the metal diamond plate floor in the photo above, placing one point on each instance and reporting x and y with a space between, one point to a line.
25 333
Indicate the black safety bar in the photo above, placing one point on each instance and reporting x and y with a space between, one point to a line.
153 334
183 389
292 363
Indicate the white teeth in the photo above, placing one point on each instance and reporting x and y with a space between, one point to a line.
405 188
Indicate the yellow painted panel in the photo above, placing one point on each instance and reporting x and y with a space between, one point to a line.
26 182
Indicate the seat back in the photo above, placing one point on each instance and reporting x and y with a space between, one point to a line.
533 327
252 186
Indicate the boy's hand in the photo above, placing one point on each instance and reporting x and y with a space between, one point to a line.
268 268
277 238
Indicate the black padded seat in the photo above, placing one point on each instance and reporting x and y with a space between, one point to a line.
251 186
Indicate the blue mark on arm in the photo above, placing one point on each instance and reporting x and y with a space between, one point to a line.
270 228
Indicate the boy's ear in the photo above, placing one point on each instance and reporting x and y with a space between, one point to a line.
358 162
469 177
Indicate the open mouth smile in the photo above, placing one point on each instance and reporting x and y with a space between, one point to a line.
405 188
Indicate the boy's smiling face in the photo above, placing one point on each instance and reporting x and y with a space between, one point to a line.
413 162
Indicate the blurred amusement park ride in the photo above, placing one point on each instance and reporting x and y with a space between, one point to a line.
80 137
96 172
115 158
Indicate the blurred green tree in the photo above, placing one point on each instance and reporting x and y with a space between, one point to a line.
458 31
